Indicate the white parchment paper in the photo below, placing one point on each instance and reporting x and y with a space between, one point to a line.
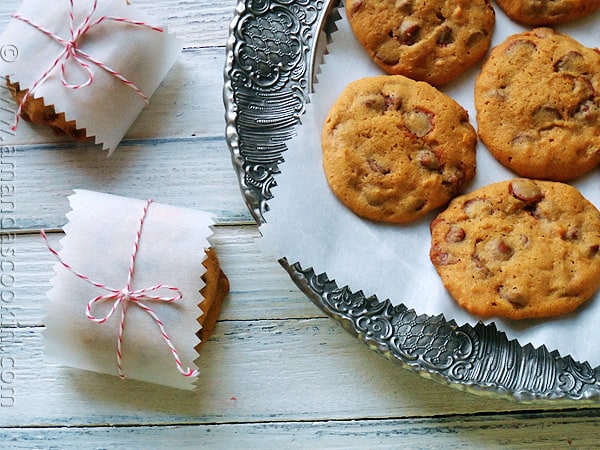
98 243
108 107
307 224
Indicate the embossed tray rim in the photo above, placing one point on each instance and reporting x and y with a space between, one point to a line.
482 361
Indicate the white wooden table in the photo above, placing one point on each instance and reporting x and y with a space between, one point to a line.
277 373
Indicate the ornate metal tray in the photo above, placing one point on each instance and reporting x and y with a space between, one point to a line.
272 51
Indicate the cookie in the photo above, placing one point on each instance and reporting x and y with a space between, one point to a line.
424 40
537 100
395 148
518 249
214 292
547 12
34 110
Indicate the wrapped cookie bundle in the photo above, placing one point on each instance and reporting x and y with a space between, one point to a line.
137 289
85 68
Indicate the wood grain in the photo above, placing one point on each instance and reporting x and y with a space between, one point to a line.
251 371
574 430
194 173
277 373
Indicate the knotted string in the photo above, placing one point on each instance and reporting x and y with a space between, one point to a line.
71 50
122 297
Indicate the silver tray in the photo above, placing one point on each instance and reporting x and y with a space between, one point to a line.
272 50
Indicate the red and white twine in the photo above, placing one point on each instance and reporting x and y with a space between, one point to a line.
71 50
122 297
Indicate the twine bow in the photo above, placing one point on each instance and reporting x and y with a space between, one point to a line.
122 298
71 50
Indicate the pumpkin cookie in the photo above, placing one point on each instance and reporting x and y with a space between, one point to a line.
423 40
547 12
538 105
518 249
395 148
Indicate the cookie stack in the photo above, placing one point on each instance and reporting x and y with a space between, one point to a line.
395 147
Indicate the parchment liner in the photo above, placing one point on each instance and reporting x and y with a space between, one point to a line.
307 224
107 108
98 243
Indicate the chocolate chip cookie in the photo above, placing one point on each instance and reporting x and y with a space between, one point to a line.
36 111
395 148
215 290
547 12
537 100
518 249
424 40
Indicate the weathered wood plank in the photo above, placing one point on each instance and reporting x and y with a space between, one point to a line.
252 371
572 429
196 26
195 173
